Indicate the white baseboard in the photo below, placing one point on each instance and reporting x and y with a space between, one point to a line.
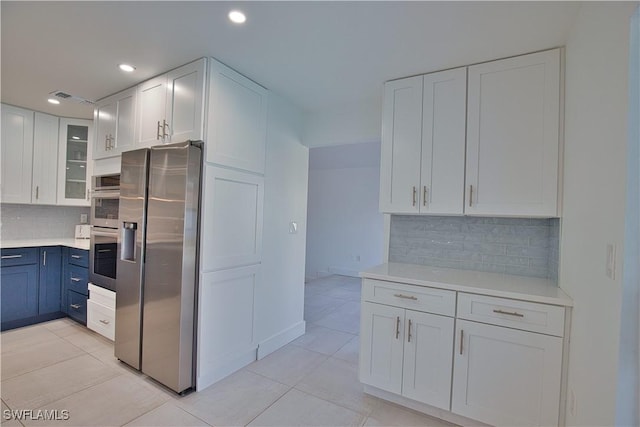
344 272
423 407
281 339
224 370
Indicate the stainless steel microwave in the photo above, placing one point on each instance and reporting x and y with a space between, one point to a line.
105 200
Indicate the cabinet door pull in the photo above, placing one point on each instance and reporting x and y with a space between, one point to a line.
158 131
75 306
461 339
44 258
414 195
411 297
165 125
424 195
37 191
397 327
87 194
106 142
75 256
105 322
470 195
75 279
11 256
409 334
509 313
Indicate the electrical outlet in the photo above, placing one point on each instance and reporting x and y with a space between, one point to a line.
83 218
610 269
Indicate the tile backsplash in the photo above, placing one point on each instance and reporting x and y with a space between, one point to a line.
520 246
34 221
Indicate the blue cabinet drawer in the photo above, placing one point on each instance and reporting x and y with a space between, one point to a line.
77 307
79 257
19 256
77 279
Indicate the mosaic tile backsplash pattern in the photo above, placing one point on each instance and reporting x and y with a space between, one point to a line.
39 222
519 246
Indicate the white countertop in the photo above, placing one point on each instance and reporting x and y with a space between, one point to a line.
31 243
476 282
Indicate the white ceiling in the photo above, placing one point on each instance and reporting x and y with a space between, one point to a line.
316 54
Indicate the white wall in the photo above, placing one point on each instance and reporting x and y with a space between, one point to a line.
594 202
345 230
628 398
280 295
346 124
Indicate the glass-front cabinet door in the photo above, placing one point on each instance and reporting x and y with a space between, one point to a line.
73 160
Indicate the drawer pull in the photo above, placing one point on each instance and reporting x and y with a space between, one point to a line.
411 297
75 279
409 334
11 256
105 322
461 339
509 313
76 306
397 327
75 256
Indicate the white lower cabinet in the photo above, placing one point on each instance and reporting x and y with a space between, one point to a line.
502 364
506 377
101 311
407 352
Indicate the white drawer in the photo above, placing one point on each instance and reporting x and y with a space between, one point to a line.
101 319
102 296
528 316
419 298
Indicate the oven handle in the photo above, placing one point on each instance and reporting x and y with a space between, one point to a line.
113 233
95 194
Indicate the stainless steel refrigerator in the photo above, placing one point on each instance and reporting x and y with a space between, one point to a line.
156 281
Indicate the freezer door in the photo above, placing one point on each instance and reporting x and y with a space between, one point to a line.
171 270
130 252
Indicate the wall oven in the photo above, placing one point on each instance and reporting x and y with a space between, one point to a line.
105 206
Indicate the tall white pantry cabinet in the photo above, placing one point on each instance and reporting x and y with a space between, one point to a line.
508 161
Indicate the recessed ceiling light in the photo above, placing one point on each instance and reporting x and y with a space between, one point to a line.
126 67
237 17
53 101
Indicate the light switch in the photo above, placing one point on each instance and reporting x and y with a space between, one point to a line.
293 227
611 261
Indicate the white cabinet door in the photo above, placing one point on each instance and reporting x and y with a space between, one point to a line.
45 160
513 135
381 346
232 211
17 153
427 358
506 377
185 102
225 322
401 146
443 142
150 115
125 120
73 169
104 118
236 120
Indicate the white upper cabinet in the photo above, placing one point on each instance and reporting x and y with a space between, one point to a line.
170 107
236 120
401 146
74 171
513 136
443 142
114 121
17 154
45 160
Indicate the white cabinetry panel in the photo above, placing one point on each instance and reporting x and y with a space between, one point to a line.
513 136
17 153
152 100
114 119
185 106
45 160
401 146
506 377
232 219
237 120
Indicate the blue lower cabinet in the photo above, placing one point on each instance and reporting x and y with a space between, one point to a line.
19 292
77 306
50 289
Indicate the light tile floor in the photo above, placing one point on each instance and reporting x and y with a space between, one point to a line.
60 365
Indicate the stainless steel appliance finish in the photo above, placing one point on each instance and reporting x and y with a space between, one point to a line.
105 197
157 263
103 256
